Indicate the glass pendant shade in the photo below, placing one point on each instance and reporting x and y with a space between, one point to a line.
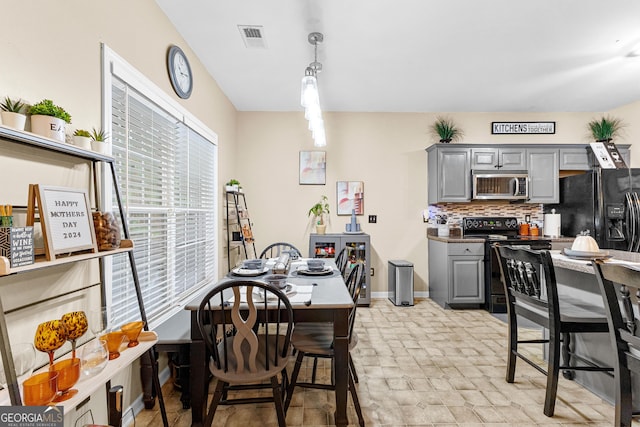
315 124
319 138
309 93
312 112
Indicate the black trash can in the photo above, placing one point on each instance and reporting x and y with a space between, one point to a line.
401 282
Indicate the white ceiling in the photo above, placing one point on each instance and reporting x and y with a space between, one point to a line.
421 55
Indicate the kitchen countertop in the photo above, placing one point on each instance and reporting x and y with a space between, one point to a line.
481 240
584 266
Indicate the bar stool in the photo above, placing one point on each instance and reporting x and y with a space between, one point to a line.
617 284
524 273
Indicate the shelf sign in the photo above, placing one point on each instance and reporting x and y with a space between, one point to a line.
16 244
511 128
65 217
608 155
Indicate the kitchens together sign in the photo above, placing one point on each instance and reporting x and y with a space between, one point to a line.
510 128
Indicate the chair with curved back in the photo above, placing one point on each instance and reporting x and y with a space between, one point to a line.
274 250
617 284
316 340
240 357
342 260
524 274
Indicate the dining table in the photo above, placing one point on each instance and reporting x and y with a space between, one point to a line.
315 296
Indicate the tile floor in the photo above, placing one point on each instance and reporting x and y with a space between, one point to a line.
423 366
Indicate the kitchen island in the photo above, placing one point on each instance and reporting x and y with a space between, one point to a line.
576 278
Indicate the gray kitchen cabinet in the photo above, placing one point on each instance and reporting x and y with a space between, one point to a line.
575 159
449 174
498 158
456 274
544 175
581 158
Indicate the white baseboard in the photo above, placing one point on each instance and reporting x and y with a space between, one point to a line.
385 295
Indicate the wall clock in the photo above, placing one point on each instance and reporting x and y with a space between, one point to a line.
179 72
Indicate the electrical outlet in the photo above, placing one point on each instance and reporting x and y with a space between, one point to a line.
372 271
373 219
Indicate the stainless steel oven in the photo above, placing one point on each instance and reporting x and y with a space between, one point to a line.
502 230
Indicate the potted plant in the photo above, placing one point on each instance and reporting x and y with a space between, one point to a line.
605 129
446 130
12 115
232 185
319 210
99 140
48 119
82 138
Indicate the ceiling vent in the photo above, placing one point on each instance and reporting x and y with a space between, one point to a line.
253 36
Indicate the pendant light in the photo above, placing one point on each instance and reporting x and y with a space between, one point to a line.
309 96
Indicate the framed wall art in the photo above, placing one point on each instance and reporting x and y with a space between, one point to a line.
350 196
313 168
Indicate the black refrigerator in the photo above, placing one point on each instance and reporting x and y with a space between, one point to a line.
606 203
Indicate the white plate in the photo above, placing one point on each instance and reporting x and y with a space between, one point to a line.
248 273
327 270
586 254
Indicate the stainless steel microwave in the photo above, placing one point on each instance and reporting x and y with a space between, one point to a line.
505 185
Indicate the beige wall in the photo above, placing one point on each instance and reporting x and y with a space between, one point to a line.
387 152
57 56
50 50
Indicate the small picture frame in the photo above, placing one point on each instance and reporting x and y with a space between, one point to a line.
313 168
350 197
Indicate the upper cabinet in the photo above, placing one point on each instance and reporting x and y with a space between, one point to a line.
581 158
498 158
450 166
575 159
544 175
449 175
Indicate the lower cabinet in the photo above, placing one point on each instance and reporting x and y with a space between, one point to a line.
456 274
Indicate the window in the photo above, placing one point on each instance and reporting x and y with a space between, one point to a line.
167 175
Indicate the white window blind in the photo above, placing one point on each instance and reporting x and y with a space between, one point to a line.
166 173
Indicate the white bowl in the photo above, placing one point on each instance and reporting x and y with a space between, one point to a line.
585 244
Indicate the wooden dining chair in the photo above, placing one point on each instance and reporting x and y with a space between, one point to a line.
274 250
316 340
617 284
527 276
341 261
242 356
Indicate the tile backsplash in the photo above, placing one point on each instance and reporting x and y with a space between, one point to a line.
456 211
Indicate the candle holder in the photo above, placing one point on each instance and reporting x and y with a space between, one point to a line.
68 374
50 336
40 389
132 331
77 324
114 340
94 356
24 360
